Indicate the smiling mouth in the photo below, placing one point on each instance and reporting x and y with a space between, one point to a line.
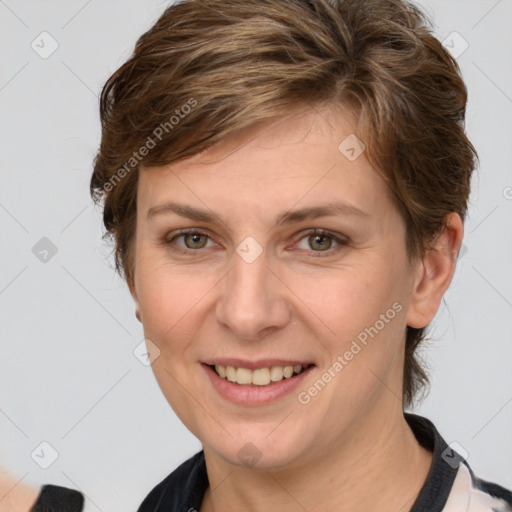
259 377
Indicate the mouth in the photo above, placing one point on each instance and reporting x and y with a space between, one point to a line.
260 377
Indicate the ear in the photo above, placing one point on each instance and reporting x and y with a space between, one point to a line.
435 272
130 281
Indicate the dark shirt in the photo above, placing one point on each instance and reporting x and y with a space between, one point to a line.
53 498
451 485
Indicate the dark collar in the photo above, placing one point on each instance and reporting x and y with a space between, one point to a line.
437 486
184 489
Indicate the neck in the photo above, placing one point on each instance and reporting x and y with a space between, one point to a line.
378 466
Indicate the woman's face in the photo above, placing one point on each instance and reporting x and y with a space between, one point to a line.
253 287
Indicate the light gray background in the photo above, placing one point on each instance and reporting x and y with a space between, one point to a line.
68 373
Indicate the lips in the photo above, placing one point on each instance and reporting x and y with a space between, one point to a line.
260 392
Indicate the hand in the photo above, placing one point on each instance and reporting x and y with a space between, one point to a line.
15 496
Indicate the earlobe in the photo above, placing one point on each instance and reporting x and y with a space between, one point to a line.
131 286
435 273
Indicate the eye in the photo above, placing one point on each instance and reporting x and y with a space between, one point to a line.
193 240
315 241
320 240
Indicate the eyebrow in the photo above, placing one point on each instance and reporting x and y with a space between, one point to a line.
330 209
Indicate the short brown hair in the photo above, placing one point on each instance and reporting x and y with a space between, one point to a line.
208 68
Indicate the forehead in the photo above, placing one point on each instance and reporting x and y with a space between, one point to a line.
300 159
305 130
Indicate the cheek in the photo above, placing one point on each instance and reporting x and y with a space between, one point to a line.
345 301
170 302
359 319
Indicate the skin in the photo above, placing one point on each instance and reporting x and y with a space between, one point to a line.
14 495
349 448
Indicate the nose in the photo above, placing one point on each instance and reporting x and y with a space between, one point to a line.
253 300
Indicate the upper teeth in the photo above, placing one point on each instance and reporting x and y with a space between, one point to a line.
259 377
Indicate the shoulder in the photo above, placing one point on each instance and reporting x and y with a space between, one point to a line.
451 485
474 494
477 494
182 489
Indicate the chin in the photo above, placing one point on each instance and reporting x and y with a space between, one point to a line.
256 449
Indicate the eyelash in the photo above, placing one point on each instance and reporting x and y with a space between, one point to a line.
342 242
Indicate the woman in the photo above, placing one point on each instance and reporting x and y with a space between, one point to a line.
286 184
